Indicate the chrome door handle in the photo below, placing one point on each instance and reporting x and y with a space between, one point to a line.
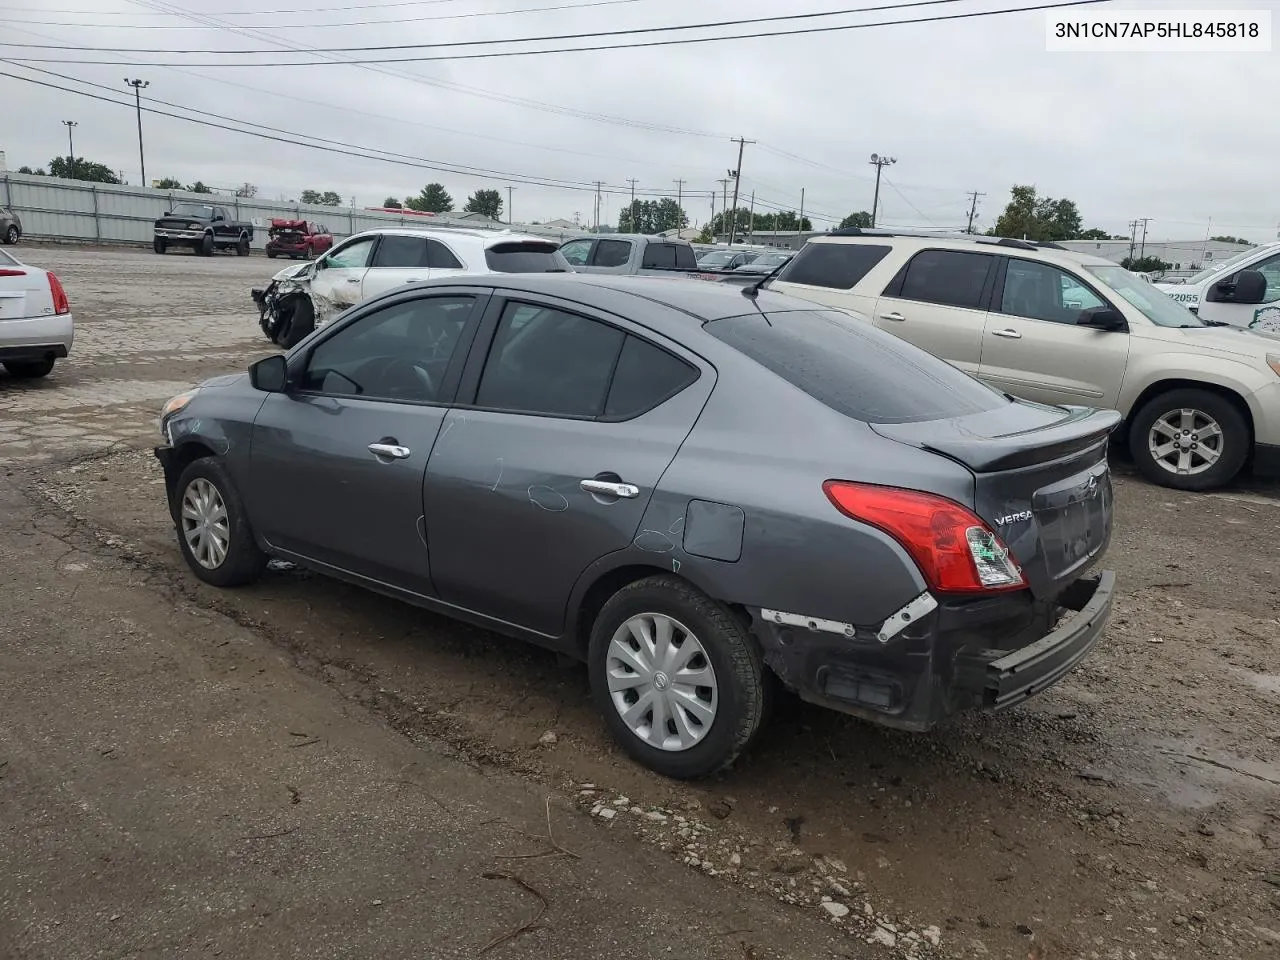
353 279
627 491
892 316
1007 334
392 451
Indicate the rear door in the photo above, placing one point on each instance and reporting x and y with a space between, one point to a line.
564 426
938 302
398 260
1032 346
443 261
339 276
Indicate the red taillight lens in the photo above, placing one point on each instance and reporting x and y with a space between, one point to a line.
9 272
60 302
954 549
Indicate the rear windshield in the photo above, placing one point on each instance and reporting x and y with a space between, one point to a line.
854 368
836 265
526 257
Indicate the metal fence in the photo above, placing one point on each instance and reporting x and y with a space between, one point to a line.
55 209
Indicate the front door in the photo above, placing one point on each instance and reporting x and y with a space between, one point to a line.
337 463
1217 304
574 421
1033 347
338 277
937 302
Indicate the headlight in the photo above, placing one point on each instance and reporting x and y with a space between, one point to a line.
1273 361
174 404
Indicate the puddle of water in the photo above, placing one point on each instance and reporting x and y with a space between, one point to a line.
1194 776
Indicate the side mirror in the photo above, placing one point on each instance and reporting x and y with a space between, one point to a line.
217 217
168 213
1250 287
270 374
1102 318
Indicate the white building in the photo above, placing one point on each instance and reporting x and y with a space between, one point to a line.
1186 256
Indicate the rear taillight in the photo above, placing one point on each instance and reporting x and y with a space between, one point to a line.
9 272
60 302
954 549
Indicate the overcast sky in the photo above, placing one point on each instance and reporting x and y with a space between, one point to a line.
963 105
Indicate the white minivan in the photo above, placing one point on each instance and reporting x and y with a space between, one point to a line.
1243 291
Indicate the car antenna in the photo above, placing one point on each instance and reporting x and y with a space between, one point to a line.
752 290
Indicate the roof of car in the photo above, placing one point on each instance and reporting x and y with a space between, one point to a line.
647 238
1050 252
487 238
701 299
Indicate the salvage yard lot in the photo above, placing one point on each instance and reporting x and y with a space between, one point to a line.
1132 811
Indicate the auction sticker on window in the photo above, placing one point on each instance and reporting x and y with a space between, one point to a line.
1215 30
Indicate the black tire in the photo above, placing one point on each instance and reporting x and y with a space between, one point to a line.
242 247
244 561
742 682
300 323
160 245
12 234
28 369
271 254
206 245
1235 441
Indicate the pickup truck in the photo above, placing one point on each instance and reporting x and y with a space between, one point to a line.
204 228
640 254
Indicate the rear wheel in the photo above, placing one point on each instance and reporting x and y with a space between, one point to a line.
159 244
28 369
213 529
1189 439
678 677
206 245
242 248
12 234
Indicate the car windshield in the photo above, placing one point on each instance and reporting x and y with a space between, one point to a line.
1154 304
1222 265
717 258
770 260
201 210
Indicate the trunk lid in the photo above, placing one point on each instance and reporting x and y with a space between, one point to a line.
1041 481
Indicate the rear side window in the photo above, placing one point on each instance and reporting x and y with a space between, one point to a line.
438 255
836 265
398 251
659 256
645 377
948 277
612 253
855 369
525 257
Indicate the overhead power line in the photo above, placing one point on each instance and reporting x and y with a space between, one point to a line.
312 25
831 28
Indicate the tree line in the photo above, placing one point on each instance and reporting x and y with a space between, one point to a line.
434 198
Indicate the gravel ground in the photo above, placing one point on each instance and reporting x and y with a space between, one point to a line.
1132 811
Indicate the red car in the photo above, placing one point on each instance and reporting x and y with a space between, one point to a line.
297 238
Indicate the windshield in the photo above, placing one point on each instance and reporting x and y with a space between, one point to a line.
770 259
201 210
717 258
1155 305
1208 272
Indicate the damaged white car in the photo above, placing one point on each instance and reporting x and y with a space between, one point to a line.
302 297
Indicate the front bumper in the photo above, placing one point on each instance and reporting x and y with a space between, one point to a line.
167 234
989 653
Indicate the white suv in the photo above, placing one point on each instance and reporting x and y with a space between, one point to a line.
1039 322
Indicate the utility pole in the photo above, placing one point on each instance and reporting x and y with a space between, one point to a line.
724 202
510 206
751 222
138 87
631 211
71 145
800 225
973 208
737 183
679 206
597 214
879 162
1142 248
1133 236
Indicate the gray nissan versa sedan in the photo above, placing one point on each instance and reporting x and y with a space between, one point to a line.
699 489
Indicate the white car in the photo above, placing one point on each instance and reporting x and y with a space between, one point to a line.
35 319
1243 291
301 298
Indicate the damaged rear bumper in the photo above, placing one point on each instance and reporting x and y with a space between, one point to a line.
989 653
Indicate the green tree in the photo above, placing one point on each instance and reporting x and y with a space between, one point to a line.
669 215
199 187
706 235
434 198
247 191
326 199
168 183
1041 219
720 222
861 219
1096 234
392 203
1219 239
487 202
1146 264
87 170
34 173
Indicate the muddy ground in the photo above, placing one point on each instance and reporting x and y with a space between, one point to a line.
1132 811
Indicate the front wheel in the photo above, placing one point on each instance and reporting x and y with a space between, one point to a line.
242 248
159 245
300 322
11 235
271 254
29 369
213 529
678 677
1189 439
206 245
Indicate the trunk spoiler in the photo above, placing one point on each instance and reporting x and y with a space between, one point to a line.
979 443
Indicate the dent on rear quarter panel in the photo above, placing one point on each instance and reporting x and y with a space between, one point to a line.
765 447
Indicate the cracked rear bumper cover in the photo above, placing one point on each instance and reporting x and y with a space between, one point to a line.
990 653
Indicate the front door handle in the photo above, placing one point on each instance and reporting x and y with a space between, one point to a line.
627 491
1007 334
892 316
390 451
353 280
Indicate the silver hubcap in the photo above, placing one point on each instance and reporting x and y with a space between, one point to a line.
661 682
1186 442
204 523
